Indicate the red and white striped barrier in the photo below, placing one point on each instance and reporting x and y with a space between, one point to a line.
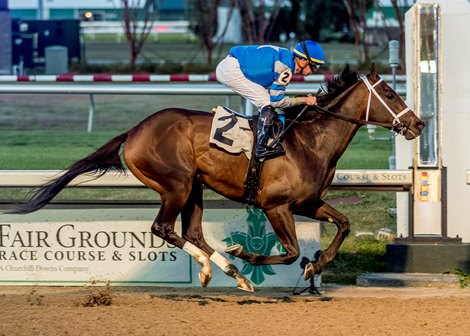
139 78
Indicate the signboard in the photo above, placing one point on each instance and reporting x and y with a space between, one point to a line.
83 252
373 177
427 202
77 247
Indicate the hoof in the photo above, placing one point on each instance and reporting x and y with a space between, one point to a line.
245 285
204 278
309 271
235 250
205 275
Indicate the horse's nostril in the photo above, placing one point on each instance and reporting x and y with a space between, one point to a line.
420 125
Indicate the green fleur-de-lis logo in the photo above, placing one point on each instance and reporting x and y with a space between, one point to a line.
255 241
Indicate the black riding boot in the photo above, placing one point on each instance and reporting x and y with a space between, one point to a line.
265 122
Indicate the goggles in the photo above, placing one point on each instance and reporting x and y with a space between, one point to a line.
313 66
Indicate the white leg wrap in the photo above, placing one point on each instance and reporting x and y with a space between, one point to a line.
219 260
196 252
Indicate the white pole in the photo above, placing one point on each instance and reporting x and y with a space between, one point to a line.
91 111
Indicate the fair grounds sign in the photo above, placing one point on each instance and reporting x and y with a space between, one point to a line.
81 246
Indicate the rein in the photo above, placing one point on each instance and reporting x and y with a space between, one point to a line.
397 125
361 122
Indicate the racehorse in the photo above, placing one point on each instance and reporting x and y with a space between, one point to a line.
170 153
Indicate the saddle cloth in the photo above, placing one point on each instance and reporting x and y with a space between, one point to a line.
231 132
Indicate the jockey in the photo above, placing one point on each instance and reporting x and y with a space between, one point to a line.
260 73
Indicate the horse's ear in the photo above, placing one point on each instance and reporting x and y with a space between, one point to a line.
373 73
346 70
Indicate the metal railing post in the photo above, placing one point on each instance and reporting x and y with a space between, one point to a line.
91 111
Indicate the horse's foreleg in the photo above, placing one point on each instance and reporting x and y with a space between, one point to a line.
283 224
326 213
191 218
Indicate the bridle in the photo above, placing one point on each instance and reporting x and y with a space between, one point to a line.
396 117
397 126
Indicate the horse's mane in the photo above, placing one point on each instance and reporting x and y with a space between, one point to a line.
334 87
339 84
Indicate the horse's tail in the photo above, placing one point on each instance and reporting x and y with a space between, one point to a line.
102 160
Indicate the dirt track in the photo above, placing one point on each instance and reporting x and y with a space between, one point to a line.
197 311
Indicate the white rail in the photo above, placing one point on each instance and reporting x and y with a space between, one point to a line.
145 89
140 89
380 179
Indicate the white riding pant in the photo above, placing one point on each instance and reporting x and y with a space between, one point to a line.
228 72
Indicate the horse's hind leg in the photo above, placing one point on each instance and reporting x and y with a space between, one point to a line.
189 204
191 223
172 176
174 196
164 227
191 218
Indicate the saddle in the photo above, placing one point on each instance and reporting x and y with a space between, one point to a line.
277 128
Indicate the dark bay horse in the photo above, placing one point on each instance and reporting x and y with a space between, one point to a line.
170 153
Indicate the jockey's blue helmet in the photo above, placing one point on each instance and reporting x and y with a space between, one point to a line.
312 51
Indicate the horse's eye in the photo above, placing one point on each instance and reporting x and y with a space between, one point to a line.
390 96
